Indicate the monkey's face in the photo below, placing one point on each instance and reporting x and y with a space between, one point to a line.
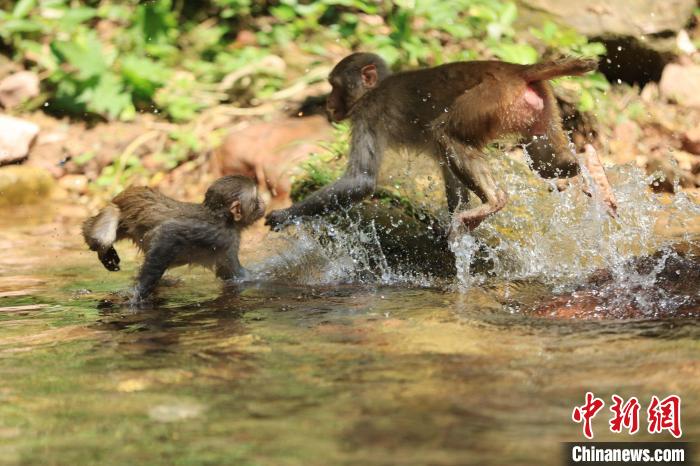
349 83
249 208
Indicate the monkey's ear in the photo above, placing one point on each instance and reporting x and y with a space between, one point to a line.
235 210
369 75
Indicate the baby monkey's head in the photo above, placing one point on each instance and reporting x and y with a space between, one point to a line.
237 196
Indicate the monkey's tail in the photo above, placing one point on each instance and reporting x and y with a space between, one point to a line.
568 66
100 233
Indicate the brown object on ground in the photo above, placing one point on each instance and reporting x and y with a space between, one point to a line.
667 174
691 140
16 137
18 87
681 84
21 184
270 152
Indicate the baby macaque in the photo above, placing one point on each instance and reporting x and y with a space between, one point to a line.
173 233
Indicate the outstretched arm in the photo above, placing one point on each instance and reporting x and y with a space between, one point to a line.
358 182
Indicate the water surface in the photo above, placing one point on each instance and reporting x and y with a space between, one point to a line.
310 372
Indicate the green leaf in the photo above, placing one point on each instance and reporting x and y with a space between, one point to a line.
509 13
283 12
84 53
23 8
523 54
74 16
108 97
586 102
143 75
14 26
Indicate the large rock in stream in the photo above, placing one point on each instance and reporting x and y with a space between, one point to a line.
623 17
21 184
639 34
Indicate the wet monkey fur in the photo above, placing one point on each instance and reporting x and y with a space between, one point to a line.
173 233
451 112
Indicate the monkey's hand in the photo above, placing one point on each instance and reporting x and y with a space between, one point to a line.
277 219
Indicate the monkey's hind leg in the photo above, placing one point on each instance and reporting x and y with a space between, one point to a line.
552 157
472 169
600 179
100 233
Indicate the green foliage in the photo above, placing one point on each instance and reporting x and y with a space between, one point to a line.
111 59
325 167
114 58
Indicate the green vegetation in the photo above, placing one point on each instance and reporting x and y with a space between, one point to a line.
110 59
114 58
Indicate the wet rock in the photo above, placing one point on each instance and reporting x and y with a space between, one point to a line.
409 243
74 183
177 411
681 84
23 185
633 61
664 285
624 17
271 152
16 137
624 141
396 234
691 140
667 174
18 87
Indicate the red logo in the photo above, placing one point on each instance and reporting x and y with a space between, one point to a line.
625 416
587 412
665 415
661 415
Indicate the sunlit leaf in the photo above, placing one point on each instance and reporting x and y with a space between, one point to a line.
84 54
108 97
23 7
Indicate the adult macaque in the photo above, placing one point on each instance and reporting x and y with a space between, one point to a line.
173 233
451 112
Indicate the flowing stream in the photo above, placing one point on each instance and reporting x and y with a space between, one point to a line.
325 360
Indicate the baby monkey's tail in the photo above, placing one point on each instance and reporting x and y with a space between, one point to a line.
568 66
100 233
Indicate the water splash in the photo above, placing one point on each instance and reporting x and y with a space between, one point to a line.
555 238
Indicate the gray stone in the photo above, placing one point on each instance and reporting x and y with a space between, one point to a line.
18 87
16 137
603 17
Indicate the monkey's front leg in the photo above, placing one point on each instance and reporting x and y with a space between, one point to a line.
343 193
229 267
358 181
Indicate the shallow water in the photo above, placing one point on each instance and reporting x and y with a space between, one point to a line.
321 372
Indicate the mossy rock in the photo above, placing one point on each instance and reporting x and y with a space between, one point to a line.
20 184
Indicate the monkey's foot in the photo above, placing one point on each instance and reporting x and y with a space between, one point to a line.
597 172
562 184
110 259
470 219
277 219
